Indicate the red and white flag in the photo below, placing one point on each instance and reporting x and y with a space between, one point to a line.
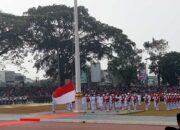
64 94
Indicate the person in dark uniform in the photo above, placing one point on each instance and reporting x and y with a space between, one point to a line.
178 122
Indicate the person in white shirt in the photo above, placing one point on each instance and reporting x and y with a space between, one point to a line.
93 103
149 98
69 106
146 101
122 101
129 100
117 102
135 102
107 102
139 99
100 102
84 103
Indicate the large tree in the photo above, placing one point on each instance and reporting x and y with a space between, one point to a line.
156 49
11 38
51 31
124 64
169 66
48 32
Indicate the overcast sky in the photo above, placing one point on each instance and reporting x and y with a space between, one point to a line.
139 19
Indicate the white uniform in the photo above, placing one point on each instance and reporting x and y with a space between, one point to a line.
122 102
139 99
156 102
53 105
69 106
110 102
107 103
135 102
117 102
93 103
146 101
149 97
129 100
100 102
84 104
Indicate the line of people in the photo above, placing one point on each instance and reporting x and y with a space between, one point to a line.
128 101
13 100
110 102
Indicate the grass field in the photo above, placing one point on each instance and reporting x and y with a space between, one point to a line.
27 109
153 112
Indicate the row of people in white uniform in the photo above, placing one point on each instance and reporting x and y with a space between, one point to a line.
126 102
172 101
110 102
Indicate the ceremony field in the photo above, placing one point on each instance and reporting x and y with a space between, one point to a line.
11 116
36 108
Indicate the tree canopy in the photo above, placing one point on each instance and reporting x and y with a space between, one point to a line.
51 30
169 66
11 37
156 49
47 30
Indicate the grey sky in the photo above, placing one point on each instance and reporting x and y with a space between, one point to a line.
139 19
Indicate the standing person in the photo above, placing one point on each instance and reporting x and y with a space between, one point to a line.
157 100
178 120
170 101
139 99
110 102
70 106
165 99
135 102
117 103
149 98
107 102
178 101
100 102
84 103
122 101
154 99
93 103
146 101
129 100
88 101
167 102
97 103
53 105
113 102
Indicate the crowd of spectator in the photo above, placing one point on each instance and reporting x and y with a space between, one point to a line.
19 95
37 94
142 90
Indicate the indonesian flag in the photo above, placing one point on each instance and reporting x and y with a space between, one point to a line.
64 94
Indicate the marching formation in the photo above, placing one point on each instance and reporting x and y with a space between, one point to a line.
128 101
110 102
172 101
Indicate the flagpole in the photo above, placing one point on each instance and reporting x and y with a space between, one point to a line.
78 96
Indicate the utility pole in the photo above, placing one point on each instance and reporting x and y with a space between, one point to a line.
78 97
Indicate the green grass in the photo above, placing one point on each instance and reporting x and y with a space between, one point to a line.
153 112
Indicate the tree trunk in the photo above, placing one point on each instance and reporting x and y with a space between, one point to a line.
159 82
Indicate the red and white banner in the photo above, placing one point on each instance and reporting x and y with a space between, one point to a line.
64 94
142 73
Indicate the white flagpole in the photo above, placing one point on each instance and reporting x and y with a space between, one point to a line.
77 61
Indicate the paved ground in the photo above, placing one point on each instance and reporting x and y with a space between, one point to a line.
64 120
98 117
80 126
